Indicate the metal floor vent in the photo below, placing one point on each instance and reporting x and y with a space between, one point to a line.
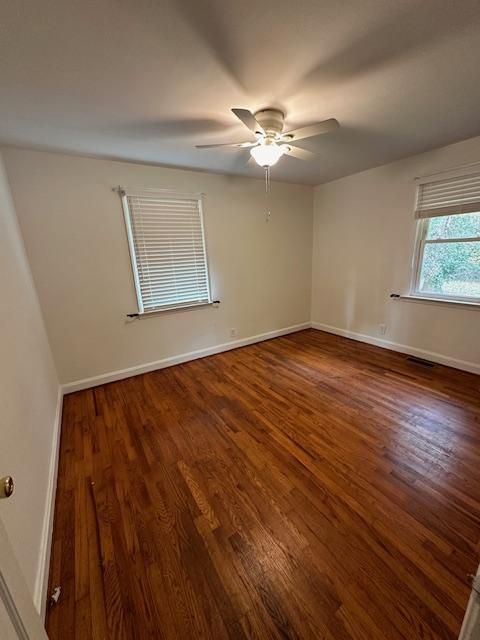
422 363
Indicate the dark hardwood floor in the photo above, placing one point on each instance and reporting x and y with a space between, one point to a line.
305 487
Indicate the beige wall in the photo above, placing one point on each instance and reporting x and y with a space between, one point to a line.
28 398
75 238
363 244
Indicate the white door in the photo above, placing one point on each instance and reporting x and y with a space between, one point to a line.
19 620
6 625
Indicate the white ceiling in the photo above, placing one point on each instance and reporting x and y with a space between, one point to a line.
147 79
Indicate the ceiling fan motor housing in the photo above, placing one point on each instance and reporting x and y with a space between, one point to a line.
272 121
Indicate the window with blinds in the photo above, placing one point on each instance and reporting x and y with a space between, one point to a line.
167 247
449 197
447 261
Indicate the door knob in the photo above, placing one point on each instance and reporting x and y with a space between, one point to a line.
6 487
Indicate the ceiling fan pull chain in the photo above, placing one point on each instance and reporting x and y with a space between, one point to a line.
267 193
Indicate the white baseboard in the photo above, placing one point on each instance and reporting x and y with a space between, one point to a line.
471 622
121 374
465 365
41 583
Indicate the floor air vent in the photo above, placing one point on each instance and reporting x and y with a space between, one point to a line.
422 363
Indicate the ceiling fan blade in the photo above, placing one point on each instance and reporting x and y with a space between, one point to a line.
311 130
302 154
226 144
248 120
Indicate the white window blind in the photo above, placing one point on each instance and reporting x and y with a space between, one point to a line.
449 197
167 247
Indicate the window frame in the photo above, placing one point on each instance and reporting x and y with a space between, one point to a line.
198 197
421 241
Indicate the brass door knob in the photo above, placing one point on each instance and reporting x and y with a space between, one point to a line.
6 487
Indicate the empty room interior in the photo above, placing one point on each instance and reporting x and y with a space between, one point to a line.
240 320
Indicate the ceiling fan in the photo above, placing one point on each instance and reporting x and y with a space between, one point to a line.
271 142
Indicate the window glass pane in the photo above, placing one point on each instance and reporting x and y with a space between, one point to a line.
466 225
451 268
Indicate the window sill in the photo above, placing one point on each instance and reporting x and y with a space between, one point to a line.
180 307
427 299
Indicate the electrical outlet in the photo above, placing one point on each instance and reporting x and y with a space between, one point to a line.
383 329
233 333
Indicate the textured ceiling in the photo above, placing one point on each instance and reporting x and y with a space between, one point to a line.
147 79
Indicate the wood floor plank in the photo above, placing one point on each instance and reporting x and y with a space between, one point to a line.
305 487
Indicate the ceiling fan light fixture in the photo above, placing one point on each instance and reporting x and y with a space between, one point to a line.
266 155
